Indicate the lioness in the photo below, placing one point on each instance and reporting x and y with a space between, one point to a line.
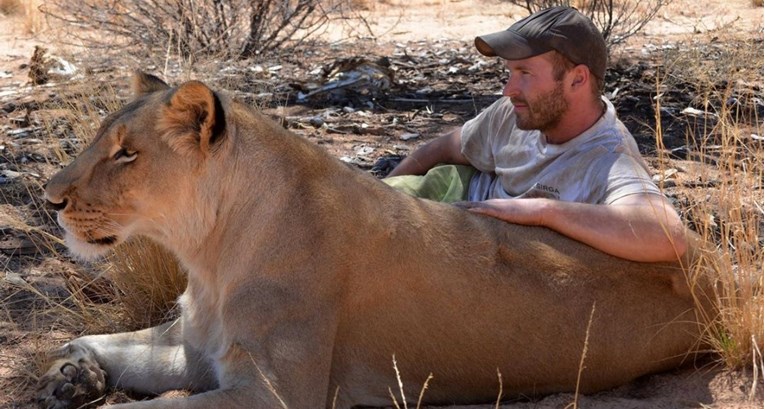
305 277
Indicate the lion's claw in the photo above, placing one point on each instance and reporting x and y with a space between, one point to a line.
72 381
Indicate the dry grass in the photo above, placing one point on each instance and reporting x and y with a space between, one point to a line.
149 281
727 140
582 358
404 401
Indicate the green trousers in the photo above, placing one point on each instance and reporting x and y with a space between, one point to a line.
443 183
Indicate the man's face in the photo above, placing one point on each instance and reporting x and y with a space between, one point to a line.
537 96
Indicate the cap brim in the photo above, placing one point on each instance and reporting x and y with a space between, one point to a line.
508 45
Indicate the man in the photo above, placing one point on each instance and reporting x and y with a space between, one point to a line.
551 152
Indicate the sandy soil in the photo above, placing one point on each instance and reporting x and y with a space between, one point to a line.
413 23
403 20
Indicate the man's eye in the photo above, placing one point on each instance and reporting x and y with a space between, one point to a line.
123 155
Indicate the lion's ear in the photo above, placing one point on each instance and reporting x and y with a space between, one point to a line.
144 83
193 120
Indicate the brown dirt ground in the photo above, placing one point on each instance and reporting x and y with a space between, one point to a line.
424 38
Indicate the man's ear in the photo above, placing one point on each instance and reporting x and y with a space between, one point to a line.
193 121
144 83
579 77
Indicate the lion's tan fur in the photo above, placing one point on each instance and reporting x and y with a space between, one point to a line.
312 275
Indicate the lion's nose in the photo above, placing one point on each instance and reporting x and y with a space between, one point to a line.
55 205
54 196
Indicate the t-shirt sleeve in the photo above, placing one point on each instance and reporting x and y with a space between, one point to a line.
477 135
628 176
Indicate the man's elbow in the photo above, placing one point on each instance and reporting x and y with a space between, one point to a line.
670 237
675 243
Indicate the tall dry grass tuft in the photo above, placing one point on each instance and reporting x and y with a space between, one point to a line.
84 303
149 280
724 201
731 215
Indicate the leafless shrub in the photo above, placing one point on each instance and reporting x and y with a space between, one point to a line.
617 20
229 28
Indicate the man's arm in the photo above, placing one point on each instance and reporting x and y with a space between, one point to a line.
642 227
446 149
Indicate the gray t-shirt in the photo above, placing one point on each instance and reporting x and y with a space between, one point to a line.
599 166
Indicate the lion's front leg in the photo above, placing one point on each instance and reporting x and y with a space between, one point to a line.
286 366
272 351
149 361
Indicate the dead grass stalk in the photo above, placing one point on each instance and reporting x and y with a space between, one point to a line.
575 403
401 389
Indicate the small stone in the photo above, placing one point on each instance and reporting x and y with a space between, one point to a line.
408 136
15 279
316 122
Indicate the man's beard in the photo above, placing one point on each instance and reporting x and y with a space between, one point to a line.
544 112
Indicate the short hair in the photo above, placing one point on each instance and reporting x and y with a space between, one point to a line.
561 65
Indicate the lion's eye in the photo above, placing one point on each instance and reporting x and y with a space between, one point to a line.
123 155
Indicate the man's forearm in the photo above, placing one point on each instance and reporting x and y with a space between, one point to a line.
648 234
444 149
639 228
418 163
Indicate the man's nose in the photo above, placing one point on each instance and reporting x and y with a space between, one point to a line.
510 89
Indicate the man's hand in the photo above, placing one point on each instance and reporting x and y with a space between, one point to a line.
519 211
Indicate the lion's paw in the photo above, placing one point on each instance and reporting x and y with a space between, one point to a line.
72 381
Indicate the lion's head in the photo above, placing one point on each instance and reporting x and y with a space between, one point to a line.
144 165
